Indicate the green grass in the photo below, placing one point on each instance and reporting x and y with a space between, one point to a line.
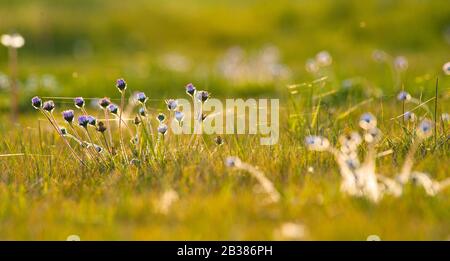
46 194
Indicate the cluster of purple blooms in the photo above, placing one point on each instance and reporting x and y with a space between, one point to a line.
95 144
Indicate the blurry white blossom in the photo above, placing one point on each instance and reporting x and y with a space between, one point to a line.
12 40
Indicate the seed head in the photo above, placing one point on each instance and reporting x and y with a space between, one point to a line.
373 135
218 140
323 58
121 85
101 127
140 96
104 102
114 109
136 121
68 115
36 102
403 96
401 63
162 128
48 106
367 121
190 89
79 102
172 104
350 142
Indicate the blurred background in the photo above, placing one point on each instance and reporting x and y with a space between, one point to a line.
231 48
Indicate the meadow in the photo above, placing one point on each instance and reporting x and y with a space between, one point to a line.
328 62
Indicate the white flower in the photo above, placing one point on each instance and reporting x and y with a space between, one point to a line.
13 40
446 68
323 58
401 63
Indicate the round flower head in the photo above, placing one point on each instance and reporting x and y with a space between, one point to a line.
136 121
401 63
409 116
425 128
113 108
101 127
373 135
162 128
68 115
446 68
323 58
83 121
48 106
352 163
98 148
403 96
232 162
161 117
311 66
172 104
190 89
104 102
63 131
218 140
140 96
179 116
36 102
79 102
121 85
379 56
445 117
367 121
317 143
92 121
202 96
142 112
13 40
350 142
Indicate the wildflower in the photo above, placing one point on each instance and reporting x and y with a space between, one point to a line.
202 96
351 140
172 104
403 96
68 115
101 127
162 128
409 116
136 121
140 96
372 135
379 56
311 66
367 121
92 121
49 106
161 117
63 131
323 58
317 143
36 102
218 140
142 112
79 102
104 102
98 148
190 89
424 130
445 117
83 121
179 116
232 161
401 63
446 68
113 108
121 85
14 40
311 169
352 163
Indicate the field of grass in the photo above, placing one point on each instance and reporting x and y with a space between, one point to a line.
186 192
